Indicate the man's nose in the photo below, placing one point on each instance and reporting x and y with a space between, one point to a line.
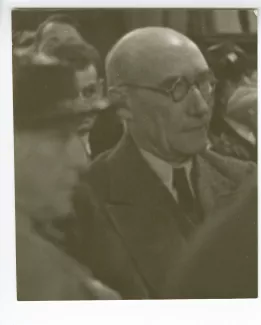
198 105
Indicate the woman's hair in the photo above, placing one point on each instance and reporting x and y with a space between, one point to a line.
57 18
228 61
67 44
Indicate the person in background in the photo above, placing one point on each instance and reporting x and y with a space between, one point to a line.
233 128
59 36
157 187
48 156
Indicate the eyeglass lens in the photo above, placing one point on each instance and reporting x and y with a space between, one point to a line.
182 86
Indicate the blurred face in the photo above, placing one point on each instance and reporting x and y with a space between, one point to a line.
47 163
90 91
171 129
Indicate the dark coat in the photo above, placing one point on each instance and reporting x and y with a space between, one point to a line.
45 272
106 132
221 261
131 232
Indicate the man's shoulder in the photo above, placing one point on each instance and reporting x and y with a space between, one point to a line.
100 168
230 167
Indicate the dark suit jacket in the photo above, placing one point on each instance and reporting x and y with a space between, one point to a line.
106 132
45 272
131 233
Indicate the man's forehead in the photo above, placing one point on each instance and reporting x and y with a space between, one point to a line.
171 64
149 54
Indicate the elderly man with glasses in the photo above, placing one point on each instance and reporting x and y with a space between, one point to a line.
157 187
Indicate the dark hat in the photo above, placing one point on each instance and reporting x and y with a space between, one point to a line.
44 91
227 60
44 72
39 86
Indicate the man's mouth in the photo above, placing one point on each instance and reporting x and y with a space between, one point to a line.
197 128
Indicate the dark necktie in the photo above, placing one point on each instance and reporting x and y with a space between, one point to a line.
186 201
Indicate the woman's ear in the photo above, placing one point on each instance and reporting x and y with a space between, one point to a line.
120 101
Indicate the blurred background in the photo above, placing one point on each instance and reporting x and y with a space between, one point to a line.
102 27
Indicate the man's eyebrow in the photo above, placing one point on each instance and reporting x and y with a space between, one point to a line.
204 73
169 81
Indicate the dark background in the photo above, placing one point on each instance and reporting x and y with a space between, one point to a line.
103 27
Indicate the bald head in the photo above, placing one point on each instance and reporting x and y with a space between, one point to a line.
141 53
160 109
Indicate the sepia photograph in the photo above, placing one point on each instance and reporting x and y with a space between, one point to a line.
135 153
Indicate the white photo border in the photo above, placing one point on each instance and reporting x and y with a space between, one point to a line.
209 312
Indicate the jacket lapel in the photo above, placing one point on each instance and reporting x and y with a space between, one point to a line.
213 186
146 217
152 239
144 214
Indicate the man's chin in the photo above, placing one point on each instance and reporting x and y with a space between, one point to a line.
194 149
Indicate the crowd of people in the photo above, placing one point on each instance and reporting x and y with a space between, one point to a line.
140 184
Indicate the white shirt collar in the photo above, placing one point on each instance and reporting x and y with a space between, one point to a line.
164 170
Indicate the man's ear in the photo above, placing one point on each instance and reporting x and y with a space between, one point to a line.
120 101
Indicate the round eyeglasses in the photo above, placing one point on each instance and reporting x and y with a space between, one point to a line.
181 87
